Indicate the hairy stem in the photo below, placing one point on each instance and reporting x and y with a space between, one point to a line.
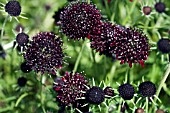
79 57
163 80
120 105
2 31
3 26
147 104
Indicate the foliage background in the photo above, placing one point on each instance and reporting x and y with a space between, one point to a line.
35 97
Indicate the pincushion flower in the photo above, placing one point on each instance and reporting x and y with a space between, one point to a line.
130 45
70 88
12 9
44 53
78 20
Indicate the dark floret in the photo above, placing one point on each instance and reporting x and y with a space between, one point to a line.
13 8
160 111
126 91
95 95
70 88
109 91
147 10
25 67
160 7
44 53
139 110
22 39
22 81
19 27
164 45
102 37
147 89
130 45
78 20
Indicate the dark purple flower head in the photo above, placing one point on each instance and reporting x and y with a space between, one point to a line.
126 91
139 110
25 67
70 87
147 89
78 20
22 39
22 81
109 91
102 37
164 45
19 27
147 10
95 95
44 53
13 8
130 45
160 7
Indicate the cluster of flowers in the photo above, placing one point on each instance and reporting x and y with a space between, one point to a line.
43 52
80 20
73 90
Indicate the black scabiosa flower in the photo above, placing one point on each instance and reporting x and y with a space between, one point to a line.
25 67
160 7
13 8
78 20
70 88
102 37
95 95
130 45
147 89
164 45
22 39
126 91
139 110
22 81
44 53
109 91
146 10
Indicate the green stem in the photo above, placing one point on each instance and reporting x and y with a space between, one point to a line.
107 8
42 99
2 31
120 105
20 98
94 60
3 26
163 80
147 104
79 57
130 12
